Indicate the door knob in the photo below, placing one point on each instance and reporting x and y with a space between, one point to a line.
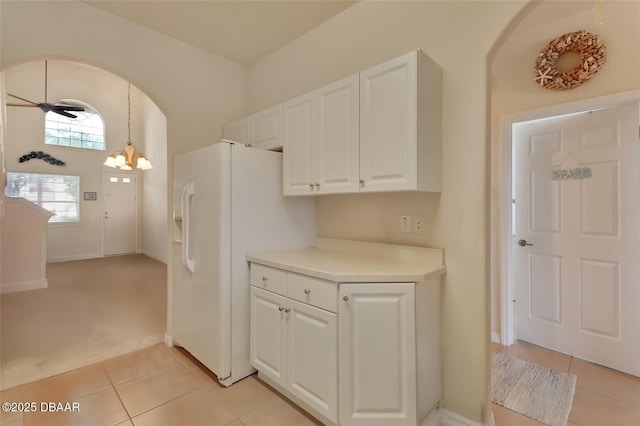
523 243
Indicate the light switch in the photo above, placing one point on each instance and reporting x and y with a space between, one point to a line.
405 223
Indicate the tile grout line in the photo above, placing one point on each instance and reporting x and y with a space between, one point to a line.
117 394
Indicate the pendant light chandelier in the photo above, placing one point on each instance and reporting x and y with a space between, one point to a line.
129 157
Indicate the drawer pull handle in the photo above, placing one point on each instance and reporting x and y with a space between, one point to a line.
286 311
265 279
281 309
307 291
345 298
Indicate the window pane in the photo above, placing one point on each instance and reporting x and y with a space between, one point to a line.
85 131
56 193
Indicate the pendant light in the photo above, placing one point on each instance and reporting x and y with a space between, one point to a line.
128 158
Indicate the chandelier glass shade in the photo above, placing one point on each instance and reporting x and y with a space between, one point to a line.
129 158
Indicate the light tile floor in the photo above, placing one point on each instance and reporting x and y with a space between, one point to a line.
603 397
158 386
162 386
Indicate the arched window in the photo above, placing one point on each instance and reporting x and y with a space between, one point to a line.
85 131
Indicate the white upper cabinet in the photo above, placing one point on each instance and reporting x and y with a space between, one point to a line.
400 123
262 130
321 140
266 128
337 144
299 136
238 131
379 130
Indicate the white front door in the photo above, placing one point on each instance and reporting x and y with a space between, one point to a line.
576 248
120 213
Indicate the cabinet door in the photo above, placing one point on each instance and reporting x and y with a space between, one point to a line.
312 371
337 146
268 334
377 353
299 118
266 128
388 125
238 131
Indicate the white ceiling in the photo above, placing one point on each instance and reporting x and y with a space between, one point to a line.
243 31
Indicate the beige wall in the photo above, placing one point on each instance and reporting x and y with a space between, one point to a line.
458 35
155 241
197 92
514 91
107 93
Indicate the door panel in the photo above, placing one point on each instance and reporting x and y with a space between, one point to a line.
299 135
546 199
268 334
545 289
120 213
577 286
595 193
312 358
600 297
388 130
377 354
337 149
210 251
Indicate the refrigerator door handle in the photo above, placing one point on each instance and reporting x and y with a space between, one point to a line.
187 195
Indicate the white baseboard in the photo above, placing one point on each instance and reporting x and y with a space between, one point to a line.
22 286
158 258
444 417
168 340
495 337
449 418
70 258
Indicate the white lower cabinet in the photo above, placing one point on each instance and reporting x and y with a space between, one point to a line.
377 354
312 361
295 346
268 334
348 353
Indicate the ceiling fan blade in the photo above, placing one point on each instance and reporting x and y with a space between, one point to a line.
46 107
22 105
65 113
69 107
22 99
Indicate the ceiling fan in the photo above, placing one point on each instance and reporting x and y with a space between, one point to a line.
57 108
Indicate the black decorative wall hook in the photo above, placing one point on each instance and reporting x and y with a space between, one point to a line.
42 156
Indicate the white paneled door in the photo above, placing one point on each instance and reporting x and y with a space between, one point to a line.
576 248
120 213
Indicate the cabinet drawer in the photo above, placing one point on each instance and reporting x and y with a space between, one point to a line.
320 293
268 278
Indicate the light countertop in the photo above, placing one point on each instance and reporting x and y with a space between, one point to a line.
356 261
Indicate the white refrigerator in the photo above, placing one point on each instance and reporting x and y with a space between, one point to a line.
227 202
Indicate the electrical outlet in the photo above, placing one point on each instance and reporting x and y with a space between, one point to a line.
418 224
405 223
